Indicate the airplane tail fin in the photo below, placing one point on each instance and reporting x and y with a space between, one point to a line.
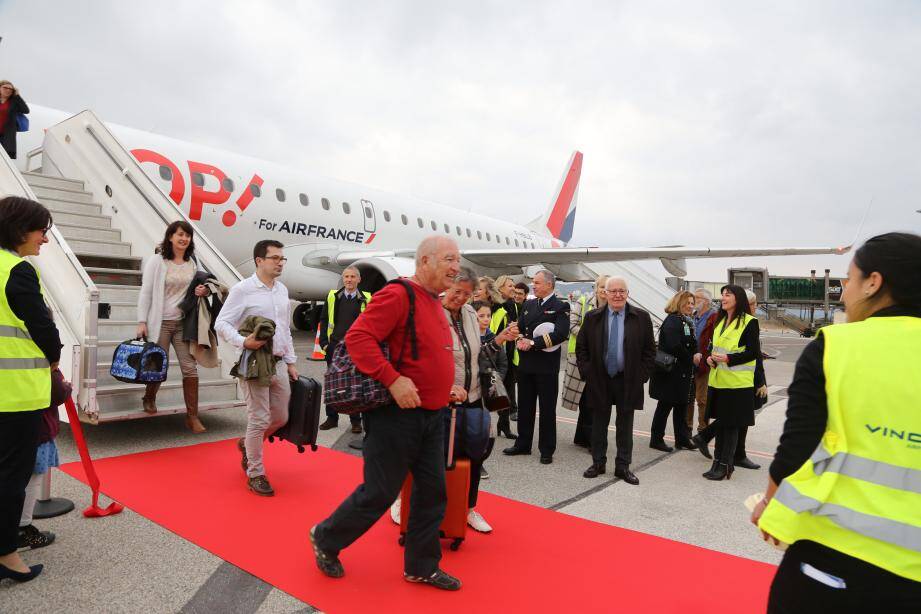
560 217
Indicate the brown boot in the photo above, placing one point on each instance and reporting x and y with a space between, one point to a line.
190 394
149 400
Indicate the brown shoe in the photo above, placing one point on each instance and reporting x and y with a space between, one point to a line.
150 398
329 423
190 394
241 446
260 485
356 428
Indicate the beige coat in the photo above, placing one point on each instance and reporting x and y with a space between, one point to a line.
573 385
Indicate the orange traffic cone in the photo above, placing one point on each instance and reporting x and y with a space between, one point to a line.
318 353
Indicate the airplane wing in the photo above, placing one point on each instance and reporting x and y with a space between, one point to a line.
502 258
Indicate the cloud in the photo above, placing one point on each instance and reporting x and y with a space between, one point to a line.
701 123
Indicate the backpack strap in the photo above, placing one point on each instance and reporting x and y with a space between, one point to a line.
410 319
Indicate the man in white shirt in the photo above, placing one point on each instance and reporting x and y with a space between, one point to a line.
267 406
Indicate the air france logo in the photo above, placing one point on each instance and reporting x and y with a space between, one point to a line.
314 230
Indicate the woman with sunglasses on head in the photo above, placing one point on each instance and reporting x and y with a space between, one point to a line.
11 105
30 348
166 279
845 485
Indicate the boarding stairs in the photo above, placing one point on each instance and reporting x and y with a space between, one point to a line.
108 216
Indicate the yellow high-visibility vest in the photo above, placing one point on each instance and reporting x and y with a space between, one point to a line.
726 338
572 338
860 492
496 324
331 309
25 375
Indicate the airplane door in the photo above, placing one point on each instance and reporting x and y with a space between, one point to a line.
368 210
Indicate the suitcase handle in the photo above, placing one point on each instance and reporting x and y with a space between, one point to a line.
451 434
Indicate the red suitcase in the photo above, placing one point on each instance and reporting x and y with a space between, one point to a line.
457 478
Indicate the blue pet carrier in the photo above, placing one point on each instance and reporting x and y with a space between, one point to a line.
139 362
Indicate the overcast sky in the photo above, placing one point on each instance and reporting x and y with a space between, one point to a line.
715 124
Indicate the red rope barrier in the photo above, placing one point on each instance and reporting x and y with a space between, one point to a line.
93 511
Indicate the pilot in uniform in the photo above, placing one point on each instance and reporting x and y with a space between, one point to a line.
538 370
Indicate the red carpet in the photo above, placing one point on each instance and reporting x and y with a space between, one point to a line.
535 560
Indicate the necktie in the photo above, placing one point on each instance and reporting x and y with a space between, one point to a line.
610 357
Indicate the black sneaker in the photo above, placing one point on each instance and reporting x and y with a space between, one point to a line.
439 579
260 485
30 538
241 446
330 565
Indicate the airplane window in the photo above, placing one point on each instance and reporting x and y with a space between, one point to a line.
325 204
386 215
198 179
346 209
280 195
434 225
507 242
516 243
447 229
488 237
255 189
227 184
458 230
404 219
166 172
479 235
468 233
304 200
421 223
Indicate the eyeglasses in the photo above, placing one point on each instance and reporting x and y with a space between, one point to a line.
277 259
618 291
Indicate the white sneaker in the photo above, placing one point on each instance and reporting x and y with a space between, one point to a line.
484 475
477 522
395 511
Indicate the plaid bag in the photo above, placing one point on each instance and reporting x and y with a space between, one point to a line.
346 390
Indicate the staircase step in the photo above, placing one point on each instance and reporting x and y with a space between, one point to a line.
128 396
82 219
71 231
37 179
117 277
104 378
108 261
60 205
117 330
135 412
112 248
58 194
109 292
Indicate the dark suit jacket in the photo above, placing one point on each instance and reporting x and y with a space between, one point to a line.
639 355
554 311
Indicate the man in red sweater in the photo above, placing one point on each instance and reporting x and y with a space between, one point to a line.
408 435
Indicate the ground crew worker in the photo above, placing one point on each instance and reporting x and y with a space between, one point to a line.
503 315
342 308
30 348
845 485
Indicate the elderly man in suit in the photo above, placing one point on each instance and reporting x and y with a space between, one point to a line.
543 323
615 353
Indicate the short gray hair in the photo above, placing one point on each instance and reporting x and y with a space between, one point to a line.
752 297
616 278
548 277
352 267
705 292
466 275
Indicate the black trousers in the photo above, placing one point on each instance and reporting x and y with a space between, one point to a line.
713 430
534 387
679 423
18 443
727 443
868 588
623 426
334 415
397 442
583 434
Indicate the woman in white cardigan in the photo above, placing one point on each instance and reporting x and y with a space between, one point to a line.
167 276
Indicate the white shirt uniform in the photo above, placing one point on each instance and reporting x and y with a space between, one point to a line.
251 297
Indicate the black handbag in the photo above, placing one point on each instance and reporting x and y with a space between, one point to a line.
664 361
495 396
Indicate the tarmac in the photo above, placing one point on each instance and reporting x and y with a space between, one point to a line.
127 563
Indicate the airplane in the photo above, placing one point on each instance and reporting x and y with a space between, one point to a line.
327 224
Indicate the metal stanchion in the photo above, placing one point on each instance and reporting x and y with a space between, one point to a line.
48 506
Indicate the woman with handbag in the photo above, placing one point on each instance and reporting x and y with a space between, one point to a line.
673 380
11 107
498 364
166 278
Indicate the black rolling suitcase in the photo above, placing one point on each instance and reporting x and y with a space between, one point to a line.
303 414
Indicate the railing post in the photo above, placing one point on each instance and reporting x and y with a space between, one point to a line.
47 506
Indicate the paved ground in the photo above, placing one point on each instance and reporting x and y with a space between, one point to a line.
129 564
